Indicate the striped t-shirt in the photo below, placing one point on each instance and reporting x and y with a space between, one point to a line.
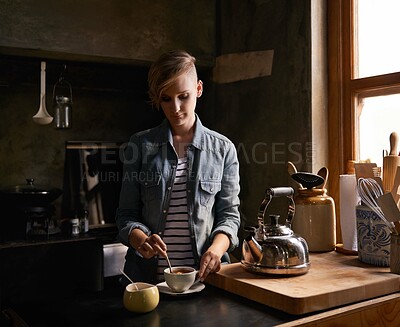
176 232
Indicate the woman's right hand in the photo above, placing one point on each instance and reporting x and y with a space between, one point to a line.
152 246
147 246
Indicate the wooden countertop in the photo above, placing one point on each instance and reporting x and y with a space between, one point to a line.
333 280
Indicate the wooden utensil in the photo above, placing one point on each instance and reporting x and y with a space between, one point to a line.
366 170
42 117
396 187
390 163
390 209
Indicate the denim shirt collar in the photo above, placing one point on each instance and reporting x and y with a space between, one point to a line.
165 134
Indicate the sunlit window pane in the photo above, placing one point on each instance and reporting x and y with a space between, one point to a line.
380 117
378 37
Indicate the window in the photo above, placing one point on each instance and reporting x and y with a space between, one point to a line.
376 26
364 81
378 117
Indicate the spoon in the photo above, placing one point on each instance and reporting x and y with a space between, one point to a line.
129 279
42 117
169 263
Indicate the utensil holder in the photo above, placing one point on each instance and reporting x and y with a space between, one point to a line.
373 238
395 254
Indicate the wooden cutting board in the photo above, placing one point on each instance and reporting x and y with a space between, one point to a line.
333 280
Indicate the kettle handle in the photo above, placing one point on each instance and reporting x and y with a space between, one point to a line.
279 191
275 192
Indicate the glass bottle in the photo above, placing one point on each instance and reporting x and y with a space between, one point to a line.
84 222
75 226
63 111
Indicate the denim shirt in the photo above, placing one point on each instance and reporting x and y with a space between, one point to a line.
150 165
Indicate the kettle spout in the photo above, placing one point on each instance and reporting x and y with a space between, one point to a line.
252 251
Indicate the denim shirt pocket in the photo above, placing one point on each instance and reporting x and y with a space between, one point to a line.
151 188
208 189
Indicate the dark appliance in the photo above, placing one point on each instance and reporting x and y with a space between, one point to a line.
28 211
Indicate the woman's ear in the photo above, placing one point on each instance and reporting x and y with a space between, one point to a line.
199 88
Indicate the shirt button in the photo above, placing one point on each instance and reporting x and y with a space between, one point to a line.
164 211
169 187
211 189
188 191
145 183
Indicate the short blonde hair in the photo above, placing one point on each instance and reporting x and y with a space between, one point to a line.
166 69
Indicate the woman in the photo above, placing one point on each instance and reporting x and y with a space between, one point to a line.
181 182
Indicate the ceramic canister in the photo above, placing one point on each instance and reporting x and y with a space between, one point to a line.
373 237
315 219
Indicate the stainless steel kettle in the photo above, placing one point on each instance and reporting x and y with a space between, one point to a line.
272 248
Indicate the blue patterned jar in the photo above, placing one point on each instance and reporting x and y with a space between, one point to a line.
373 238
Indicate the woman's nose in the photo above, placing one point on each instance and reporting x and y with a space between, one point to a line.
175 105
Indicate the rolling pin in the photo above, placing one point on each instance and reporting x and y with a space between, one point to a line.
390 163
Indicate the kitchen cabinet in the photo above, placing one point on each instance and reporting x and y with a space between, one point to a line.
43 269
133 32
382 311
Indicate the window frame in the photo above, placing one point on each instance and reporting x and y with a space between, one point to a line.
344 92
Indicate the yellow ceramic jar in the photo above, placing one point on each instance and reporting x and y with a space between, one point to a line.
315 219
141 300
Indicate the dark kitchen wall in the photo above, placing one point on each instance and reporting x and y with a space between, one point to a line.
273 118
110 103
107 105
125 30
108 47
